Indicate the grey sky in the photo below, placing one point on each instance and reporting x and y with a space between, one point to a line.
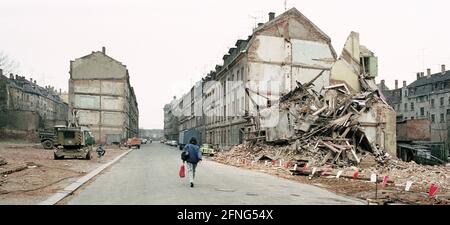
168 45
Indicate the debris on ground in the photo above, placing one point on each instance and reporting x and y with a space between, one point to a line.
31 174
2 161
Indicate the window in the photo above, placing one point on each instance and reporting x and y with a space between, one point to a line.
448 111
422 111
442 118
412 106
406 107
432 103
432 118
442 101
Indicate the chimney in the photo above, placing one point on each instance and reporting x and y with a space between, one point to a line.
31 80
11 76
34 81
104 50
382 85
271 16
404 83
443 68
17 77
60 91
422 74
428 72
418 76
396 84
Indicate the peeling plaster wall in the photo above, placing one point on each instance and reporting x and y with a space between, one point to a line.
90 67
379 125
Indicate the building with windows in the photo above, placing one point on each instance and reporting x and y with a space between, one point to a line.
428 97
101 97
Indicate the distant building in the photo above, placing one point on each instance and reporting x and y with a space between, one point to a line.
171 131
26 107
101 97
428 97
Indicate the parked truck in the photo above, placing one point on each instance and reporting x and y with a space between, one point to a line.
186 135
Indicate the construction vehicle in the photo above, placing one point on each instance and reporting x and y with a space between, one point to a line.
74 142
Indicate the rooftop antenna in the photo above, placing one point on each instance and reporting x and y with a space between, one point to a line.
285 5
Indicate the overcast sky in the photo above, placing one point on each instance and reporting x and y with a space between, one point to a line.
167 45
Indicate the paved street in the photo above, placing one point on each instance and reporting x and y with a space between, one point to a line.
150 176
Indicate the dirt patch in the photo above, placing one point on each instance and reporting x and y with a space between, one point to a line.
42 175
394 192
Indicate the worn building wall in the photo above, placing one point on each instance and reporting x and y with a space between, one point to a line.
26 107
101 94
414 130
88 67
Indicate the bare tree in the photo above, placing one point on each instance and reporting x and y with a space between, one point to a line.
7 64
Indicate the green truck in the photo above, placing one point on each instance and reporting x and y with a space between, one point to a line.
48 137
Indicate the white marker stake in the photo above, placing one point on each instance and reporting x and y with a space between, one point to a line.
281 161
295 167
313 171
339 173
408 185
373 178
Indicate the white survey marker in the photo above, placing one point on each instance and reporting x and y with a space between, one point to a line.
373 178
339 173
295 167
408 185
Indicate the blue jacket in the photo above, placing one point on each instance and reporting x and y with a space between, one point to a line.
194 153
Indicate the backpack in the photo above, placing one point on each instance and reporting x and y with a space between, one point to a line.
184 155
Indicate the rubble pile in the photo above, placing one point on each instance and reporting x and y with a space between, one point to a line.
327 127
422 175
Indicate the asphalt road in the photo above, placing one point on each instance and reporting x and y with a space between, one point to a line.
149 176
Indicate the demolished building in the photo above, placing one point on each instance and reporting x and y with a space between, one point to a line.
252 96
349 116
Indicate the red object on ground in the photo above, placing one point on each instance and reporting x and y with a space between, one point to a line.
182 171
355 175
385 180
433 190
305 167
273 162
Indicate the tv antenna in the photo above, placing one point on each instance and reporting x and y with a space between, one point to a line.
285 5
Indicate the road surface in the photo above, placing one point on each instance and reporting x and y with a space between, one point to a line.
150 176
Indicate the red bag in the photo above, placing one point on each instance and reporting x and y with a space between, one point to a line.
182 171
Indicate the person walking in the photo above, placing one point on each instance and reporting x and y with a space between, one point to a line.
192 157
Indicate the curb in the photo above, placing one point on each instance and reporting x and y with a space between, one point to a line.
77 184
